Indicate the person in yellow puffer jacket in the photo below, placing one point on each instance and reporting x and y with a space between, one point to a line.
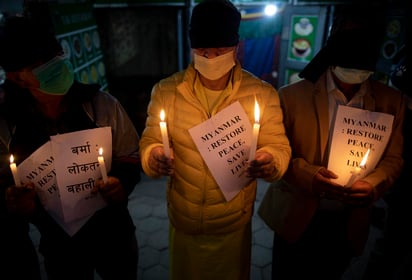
210 236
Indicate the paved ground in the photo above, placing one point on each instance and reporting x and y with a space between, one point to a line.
148 207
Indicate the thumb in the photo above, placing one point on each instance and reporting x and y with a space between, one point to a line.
96 187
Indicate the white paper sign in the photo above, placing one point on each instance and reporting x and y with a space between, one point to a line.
355 131
77 169
39 169
224 142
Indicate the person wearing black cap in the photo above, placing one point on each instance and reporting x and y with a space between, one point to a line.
319 224
42 99
210 237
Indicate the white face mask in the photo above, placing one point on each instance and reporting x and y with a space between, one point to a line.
216 67
351 76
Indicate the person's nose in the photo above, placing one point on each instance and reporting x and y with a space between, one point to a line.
210 54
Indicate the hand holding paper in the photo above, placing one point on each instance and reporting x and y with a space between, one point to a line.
21 201
112 191
159 163
262 166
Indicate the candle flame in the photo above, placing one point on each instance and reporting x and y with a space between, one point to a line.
257 112
11 159
364 159
100 151
162 115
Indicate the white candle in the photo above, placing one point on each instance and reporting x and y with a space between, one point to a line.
256 127
163 130
102 165
14 171
358 169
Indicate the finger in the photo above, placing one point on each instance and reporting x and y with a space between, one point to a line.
358 199
357 191
257 173
108 192
97 186
165 170
253 171
114 195
328 174
159 154
337 190
358 196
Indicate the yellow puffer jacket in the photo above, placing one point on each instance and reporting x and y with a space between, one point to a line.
196 205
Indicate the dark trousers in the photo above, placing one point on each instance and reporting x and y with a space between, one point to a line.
321 253
18 255
109 262
106 244
391 257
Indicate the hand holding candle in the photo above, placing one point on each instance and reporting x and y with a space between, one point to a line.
102 165
358 169
256 127
163 130
14 171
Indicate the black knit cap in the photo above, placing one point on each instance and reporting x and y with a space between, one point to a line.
214 24
24 42
354 42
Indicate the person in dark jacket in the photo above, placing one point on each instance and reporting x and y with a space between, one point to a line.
42 99
321 220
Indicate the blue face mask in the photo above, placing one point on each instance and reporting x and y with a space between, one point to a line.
56 76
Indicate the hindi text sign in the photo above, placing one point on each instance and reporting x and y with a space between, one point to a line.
39 169
77 169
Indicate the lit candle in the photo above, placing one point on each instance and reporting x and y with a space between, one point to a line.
163 130
358 169
102 165
256 127
14 171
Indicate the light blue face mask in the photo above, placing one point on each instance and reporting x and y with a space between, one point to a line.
56 76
